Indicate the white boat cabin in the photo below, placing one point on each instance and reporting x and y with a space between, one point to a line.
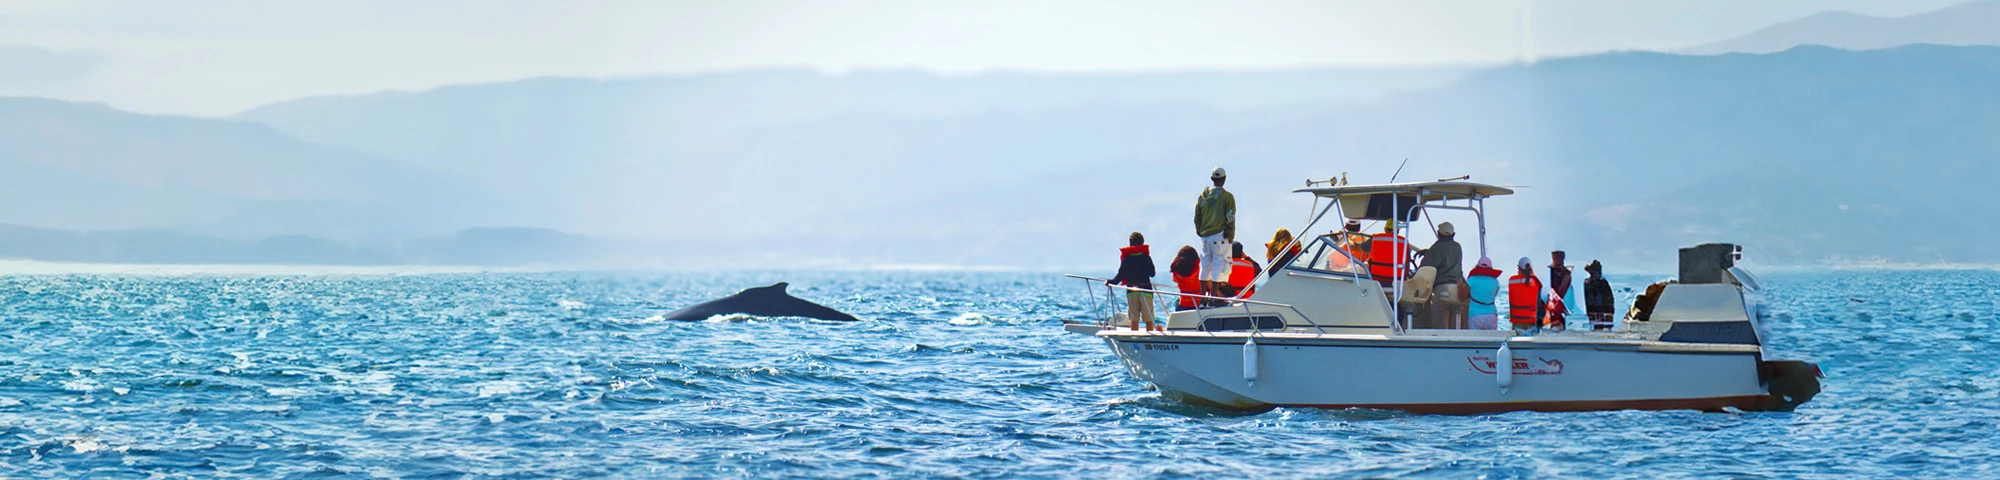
1325 289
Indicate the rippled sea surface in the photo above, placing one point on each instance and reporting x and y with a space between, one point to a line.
961 375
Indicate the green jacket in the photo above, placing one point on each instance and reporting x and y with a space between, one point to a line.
1448 258
1215 212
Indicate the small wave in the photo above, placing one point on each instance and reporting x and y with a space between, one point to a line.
973 319
567 304
81 385
84 445
500 387
286 392
658 318
732 318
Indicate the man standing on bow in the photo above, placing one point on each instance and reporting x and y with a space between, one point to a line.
1215 223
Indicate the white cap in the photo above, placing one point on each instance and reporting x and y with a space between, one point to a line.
1218 173
1445 229
1525 262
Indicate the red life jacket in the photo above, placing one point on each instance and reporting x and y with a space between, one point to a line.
1189 284
1385 255
1241 272
1523 294
1555 312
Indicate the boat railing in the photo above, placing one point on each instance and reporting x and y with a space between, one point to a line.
1109 307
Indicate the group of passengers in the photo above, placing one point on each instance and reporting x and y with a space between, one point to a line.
1221 270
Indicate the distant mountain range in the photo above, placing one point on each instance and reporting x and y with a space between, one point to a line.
628 157
1971 23
1809 155
90 167
480 246
1805 156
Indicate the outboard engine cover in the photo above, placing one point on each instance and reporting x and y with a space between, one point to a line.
1705 263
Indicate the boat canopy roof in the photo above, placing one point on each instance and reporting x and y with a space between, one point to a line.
1431 191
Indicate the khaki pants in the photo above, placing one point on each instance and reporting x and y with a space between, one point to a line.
1139 306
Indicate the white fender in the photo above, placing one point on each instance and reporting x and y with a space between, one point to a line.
1250 360
1503 366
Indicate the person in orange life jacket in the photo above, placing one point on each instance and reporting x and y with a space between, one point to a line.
1242 272
1356 245
1387 253
1135 269
1559 278
1525 297
1186 271
1282 250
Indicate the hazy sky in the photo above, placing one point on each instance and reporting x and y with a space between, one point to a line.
215 57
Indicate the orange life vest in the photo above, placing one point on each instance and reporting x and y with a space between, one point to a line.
1523 294
1385 255
1337 262
1241 272
1190 284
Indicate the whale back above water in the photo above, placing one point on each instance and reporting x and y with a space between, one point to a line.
771 301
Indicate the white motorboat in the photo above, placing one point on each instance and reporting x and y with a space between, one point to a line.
1320 332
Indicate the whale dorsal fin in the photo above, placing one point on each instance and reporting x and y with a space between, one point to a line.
775 288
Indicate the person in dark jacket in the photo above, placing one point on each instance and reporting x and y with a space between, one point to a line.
1135 269
1597 297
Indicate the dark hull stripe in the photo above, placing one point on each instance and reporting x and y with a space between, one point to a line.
1455 346
1746 403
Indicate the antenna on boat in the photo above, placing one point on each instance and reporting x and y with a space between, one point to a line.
1460 177
1399 170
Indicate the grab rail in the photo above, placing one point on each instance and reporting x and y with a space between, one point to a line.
1105 319
1163 292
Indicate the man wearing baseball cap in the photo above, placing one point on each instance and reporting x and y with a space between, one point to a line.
1215 223
1448 258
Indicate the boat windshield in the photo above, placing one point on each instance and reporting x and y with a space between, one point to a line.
1324 255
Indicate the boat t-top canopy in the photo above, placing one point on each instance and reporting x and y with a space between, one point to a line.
1401 204
1377 202
1429 191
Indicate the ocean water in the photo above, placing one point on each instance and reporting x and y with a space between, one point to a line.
951 374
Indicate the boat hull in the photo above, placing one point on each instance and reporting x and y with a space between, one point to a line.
1452 376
